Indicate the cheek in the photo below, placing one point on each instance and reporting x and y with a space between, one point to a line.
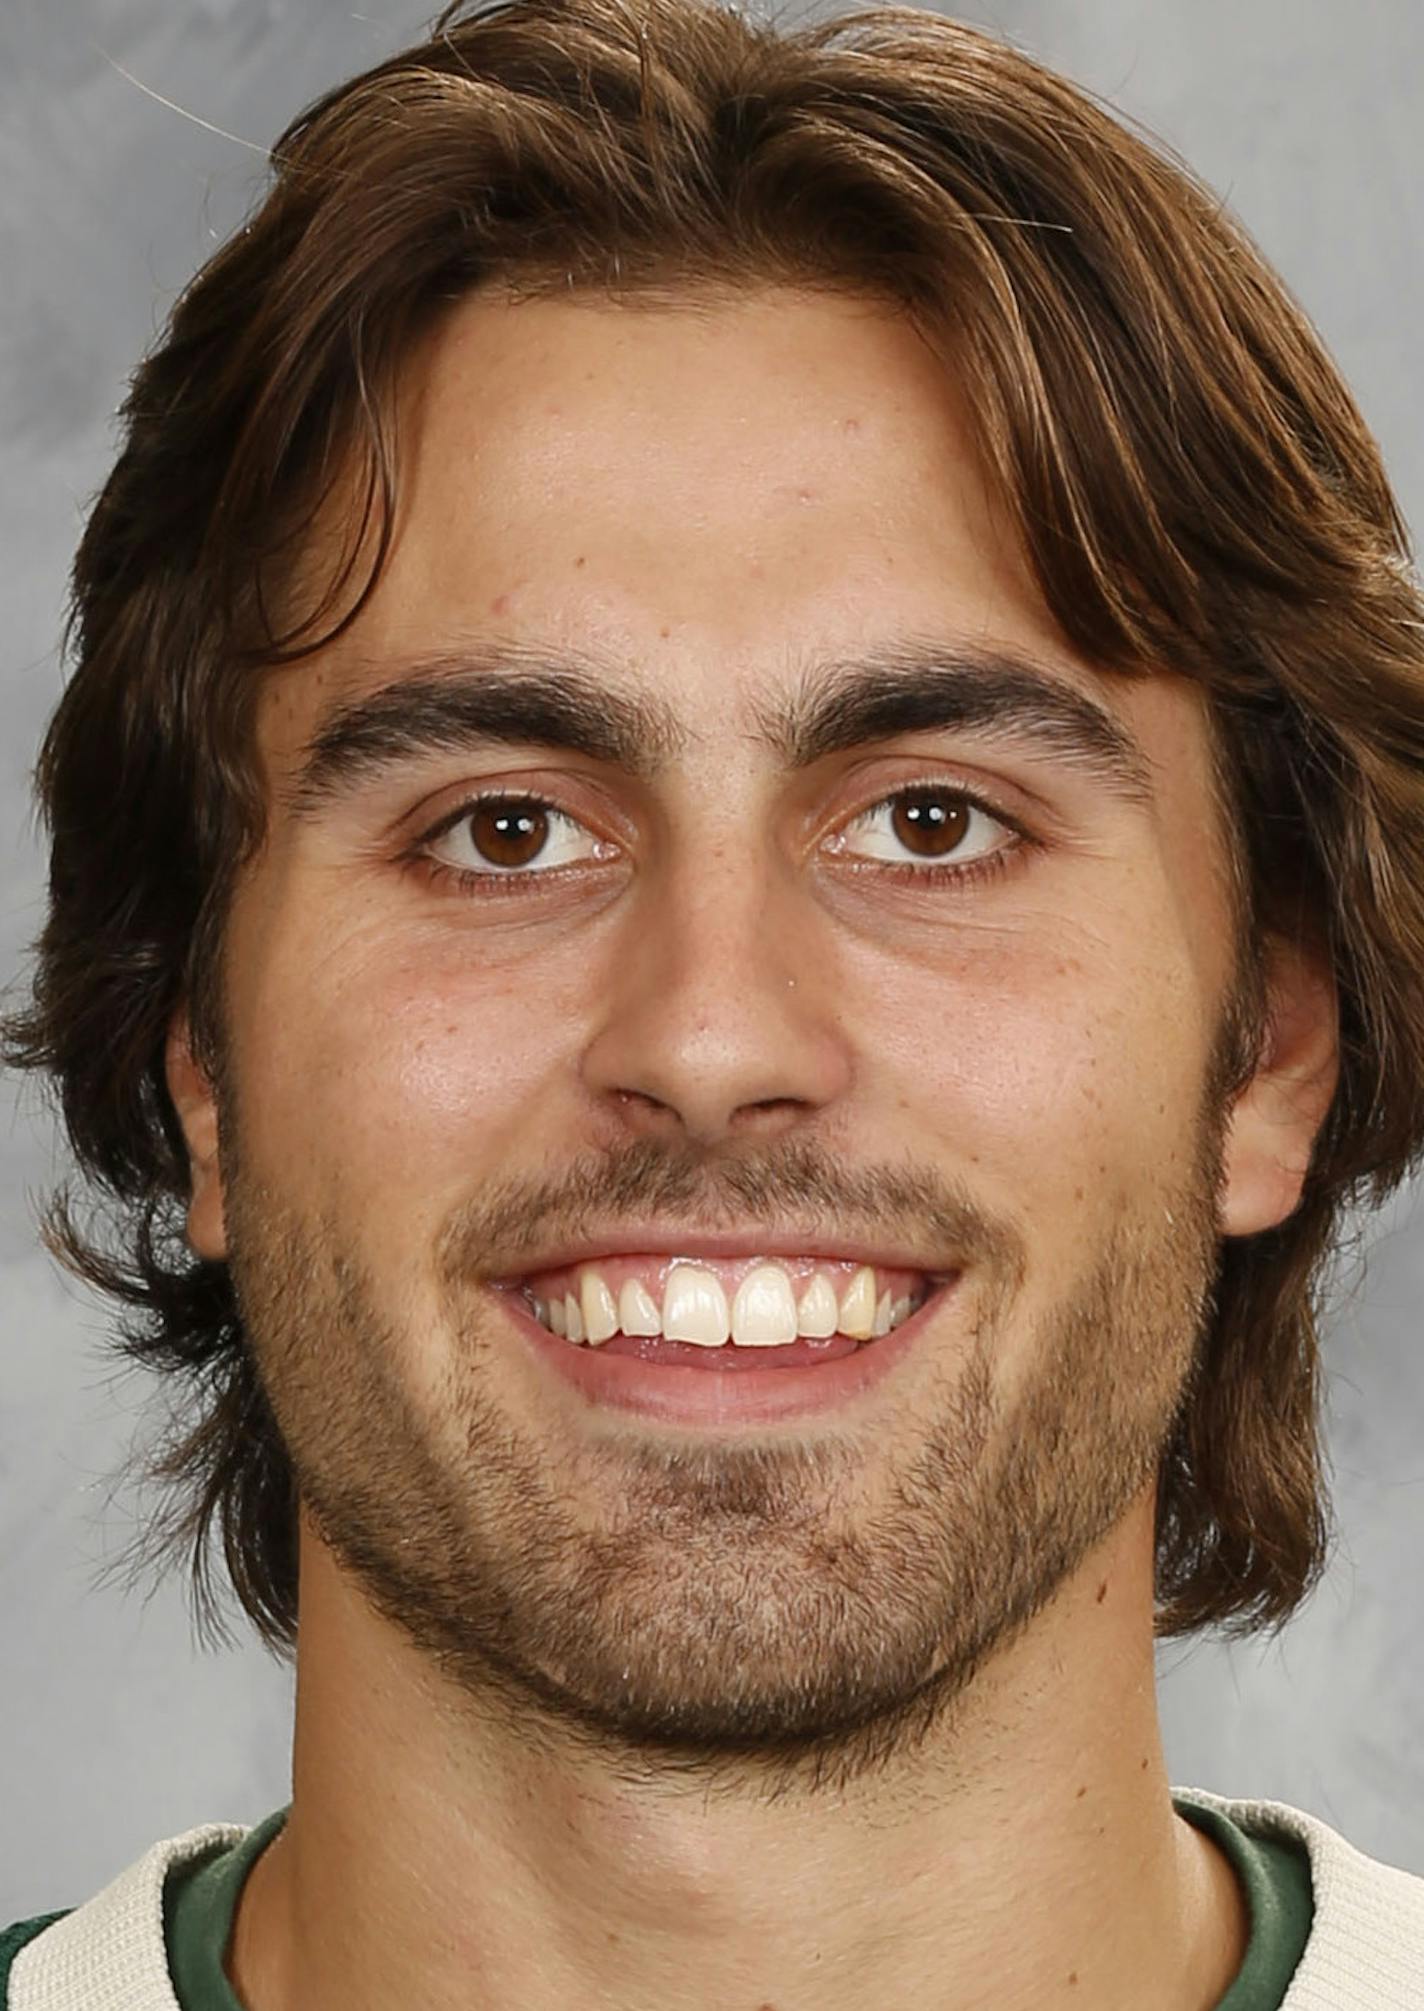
400 1078
1059 1069
1056 1067
467 1049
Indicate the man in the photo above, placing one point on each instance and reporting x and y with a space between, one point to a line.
738 880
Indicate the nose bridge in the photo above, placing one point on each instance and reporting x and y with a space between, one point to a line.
718 1006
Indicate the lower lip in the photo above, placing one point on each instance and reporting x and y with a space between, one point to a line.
708 1396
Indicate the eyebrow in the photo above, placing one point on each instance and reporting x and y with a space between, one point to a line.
458 700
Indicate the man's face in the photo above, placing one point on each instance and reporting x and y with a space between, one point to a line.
751 967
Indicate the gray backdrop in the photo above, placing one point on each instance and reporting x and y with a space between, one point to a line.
119 1730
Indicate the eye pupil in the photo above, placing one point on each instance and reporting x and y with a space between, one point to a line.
930 824
509 834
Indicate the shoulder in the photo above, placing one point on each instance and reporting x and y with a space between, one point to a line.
1366 1947
110 1949
13 1939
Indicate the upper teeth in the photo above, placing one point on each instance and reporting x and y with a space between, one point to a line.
763 1313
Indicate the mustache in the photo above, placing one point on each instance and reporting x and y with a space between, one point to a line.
793 1183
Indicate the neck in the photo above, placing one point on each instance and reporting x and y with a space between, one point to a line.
1026 1853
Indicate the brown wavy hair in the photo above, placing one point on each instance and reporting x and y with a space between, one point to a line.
1191 483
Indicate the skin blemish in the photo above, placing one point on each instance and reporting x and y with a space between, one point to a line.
581 560
1080 1794
1102 1591
500 604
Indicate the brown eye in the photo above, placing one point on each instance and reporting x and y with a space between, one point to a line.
930 825
509 833
927 825
513 837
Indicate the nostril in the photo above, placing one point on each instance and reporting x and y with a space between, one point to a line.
639 1103
772 1106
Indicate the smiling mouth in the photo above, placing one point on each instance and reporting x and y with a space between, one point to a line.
753 1302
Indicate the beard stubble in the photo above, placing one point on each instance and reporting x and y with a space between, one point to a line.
714 1604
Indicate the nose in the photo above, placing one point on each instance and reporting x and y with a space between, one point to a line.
722 1021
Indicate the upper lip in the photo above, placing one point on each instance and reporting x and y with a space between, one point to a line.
653 1239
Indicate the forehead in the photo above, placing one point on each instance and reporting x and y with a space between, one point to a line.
704 499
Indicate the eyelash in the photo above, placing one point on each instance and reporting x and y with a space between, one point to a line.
977 872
